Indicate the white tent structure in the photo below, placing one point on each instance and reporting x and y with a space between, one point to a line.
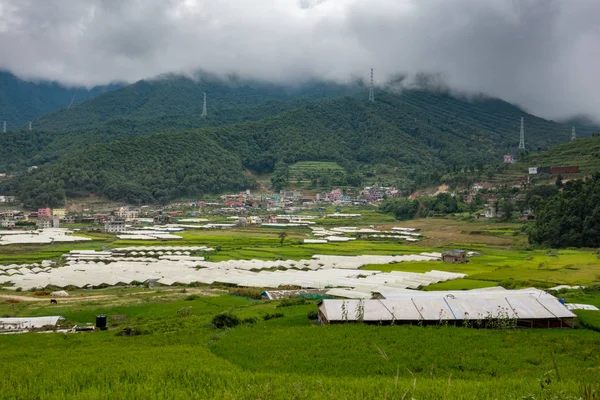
18 324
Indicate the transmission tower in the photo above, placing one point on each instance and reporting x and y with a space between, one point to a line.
573 136
204 106
4 129
522 136
371 88
29 125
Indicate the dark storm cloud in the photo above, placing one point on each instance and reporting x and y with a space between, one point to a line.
542 54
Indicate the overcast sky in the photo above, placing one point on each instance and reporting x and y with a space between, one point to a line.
541 54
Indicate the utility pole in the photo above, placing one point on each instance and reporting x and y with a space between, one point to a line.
522 136
204 106
4 129
573 136
371 88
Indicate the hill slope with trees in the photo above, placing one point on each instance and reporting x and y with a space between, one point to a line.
137 170
584 152
173 95
419 134
23 101
570 218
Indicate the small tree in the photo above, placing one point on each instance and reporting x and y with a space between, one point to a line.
282 236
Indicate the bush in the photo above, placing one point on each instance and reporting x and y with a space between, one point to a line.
313 315
249 321
267 317
292 302
252 293
42 293
225 320
191 297
131 331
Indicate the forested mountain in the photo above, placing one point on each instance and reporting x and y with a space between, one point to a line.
22 149
136 170
182 96
419 134
22 101
174 104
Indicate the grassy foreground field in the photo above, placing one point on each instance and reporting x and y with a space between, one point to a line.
285 358
183 357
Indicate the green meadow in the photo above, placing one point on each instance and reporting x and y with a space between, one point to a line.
179 354
181 357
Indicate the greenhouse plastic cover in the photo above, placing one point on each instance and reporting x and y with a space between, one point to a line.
94 269
435 306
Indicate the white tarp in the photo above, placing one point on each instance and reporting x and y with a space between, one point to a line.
435 306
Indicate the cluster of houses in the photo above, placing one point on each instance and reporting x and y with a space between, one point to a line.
241 204
44 218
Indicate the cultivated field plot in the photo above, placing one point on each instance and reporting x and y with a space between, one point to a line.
304 170
279 353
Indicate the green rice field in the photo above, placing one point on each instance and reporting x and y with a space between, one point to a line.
183 356
286 358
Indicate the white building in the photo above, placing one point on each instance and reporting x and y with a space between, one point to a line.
8 223
47 223
114 226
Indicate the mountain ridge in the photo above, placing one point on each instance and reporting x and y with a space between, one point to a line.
22 101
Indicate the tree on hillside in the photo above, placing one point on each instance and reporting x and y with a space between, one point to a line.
280 177
570 218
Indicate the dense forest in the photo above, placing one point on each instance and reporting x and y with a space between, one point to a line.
569 218
22 101
405 209
138 170
172 95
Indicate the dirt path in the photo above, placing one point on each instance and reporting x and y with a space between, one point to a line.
76 297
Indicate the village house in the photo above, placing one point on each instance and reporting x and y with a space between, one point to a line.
334 195
376 193
114 225
8 223
59 213
454 256
127 214
44 212
162 218
47 222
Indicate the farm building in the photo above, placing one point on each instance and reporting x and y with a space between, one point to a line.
114 225
528 308
565 170
454 256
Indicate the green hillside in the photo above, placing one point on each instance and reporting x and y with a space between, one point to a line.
179 96
419 134
582 152
485 127
21 149
135 170
22 101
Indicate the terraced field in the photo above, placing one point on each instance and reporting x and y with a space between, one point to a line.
303 170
